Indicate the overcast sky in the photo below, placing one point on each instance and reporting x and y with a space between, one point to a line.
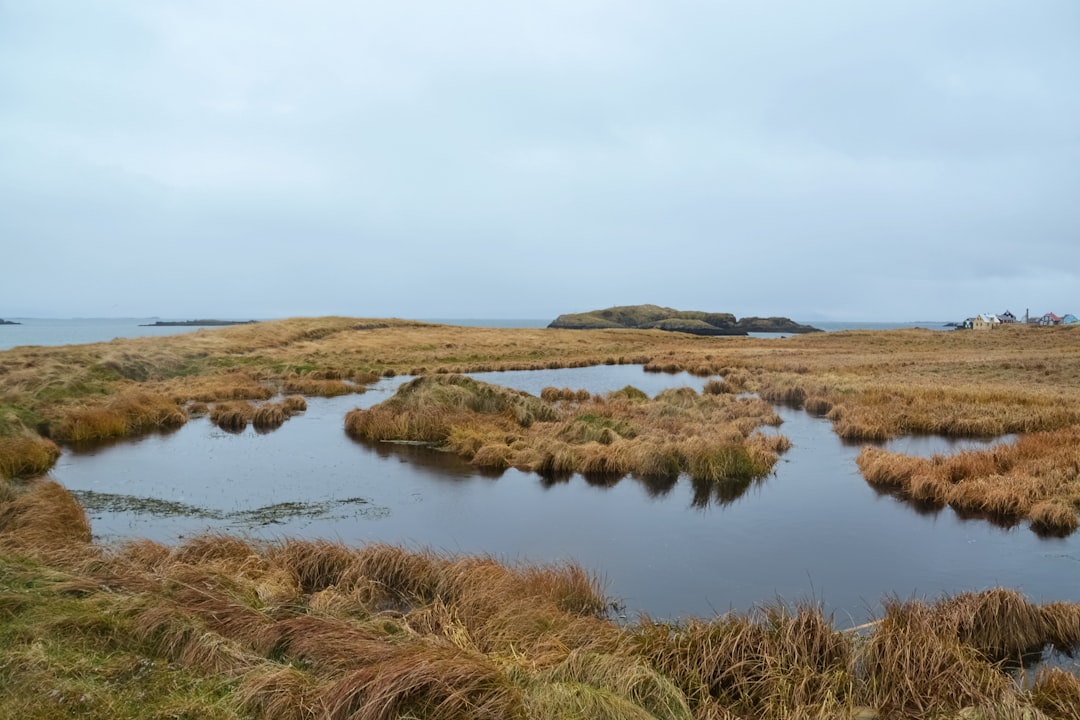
830 160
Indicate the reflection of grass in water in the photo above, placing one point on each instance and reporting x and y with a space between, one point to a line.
267 515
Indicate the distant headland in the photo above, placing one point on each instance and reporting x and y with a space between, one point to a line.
8 322
197 323
654 317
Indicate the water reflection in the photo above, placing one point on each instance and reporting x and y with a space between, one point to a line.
724 492
814 528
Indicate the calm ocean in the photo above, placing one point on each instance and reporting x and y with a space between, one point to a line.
74 331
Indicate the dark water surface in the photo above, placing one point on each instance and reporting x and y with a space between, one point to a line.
813 529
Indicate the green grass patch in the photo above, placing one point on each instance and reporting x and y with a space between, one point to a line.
65 654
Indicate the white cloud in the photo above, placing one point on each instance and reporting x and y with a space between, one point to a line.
891 160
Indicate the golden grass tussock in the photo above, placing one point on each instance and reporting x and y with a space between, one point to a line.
269 416
817 405
130 413
238 556
552 394
1034 477
220 387
709 436
424 679
1056 693
428 407
294 404
915 670
319 386
174 633
197 408
232 416
314 565
43 518
26 456
718 387
605 685
281 692
1000 623
775 662
1062 625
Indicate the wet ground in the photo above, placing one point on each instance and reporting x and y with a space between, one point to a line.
812 530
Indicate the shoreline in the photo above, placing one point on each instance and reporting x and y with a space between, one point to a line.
197 323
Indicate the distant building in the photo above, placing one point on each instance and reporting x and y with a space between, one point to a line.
1069 319
1007 317
985 322
1050 319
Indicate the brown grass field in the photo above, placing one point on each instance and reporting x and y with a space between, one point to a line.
222 628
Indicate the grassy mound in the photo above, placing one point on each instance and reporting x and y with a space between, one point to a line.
711 437
694 322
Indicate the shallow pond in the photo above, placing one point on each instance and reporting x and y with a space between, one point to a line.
812 530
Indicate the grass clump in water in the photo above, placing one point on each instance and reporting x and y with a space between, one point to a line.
26 455
127 414
1027 479
710 437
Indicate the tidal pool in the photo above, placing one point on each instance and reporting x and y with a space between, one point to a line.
813 530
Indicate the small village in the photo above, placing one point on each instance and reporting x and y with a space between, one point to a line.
988 321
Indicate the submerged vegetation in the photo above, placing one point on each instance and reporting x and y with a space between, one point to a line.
220 627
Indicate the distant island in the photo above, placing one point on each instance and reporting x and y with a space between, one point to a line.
654 317
196 323
8 322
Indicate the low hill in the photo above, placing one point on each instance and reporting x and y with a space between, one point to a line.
695 322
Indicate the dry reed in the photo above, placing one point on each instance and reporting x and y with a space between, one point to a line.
710 437
127 414
1033 477
233 416
43 519
384 631
26 455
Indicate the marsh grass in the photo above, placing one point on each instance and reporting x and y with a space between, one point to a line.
224 629
26 455
129 413
312 629
43 517
233 416
1056 692
1033 478
913 670
314 385
604 437
907 377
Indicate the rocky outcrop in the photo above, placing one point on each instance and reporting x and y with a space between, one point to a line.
646 317
774 325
